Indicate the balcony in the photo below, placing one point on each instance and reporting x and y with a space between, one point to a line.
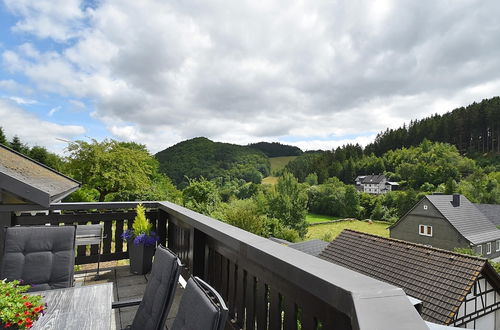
266 285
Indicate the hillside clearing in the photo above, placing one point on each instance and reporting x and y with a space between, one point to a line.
332 230
277 163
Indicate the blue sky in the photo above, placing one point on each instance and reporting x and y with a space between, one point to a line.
313 74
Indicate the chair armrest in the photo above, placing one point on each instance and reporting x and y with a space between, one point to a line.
126 303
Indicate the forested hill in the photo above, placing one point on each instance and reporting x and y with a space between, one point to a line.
201 157
276 149
473 129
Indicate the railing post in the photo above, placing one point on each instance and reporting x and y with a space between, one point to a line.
200 252
6 219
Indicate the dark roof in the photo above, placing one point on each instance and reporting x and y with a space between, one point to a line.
466 218
313 247
440 278
32 181
372 179
491 211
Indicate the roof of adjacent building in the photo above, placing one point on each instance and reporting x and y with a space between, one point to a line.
491 211
313 247
440 278
373 179
466 218
32 181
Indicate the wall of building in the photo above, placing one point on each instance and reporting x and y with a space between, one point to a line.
495 253
444 235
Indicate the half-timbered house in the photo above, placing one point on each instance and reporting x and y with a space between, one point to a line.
455 289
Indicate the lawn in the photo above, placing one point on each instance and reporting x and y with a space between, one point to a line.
270 180
315 218
331 230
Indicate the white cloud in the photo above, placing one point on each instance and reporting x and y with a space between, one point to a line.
21 100
53 111
246 71
57 19
33 131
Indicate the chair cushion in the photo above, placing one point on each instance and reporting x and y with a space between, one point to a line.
196 310
159 293
40 256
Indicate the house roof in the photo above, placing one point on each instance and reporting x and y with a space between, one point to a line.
466 218
313 247
440 278
491 211
32 181
372 179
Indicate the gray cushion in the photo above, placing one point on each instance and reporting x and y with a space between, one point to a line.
42 256
155 305
197 311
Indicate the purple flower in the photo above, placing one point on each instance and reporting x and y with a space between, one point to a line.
147 240
127 234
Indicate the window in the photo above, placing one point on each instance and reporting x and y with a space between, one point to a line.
425 230
479 249
425 207
498 245
488 248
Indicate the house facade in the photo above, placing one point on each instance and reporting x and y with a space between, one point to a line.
448 222
375 184
455 289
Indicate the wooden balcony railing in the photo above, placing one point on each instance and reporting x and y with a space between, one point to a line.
266 285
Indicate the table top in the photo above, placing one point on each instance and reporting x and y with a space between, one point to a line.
85 307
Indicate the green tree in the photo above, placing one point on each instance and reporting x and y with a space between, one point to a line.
201 196
18 146
111 166
245 214
3 138
288 203
45 157
312 179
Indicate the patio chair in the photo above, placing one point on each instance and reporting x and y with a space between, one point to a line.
90 235
42 256
159 294
201 307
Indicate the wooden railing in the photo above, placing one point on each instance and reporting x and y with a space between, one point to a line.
266 285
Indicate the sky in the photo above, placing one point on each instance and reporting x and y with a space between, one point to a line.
315 74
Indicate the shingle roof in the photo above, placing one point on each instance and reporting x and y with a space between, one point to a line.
440 278
313 247
31 180
466 218
491 211
372 179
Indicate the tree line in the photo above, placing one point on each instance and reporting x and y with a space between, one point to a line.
472 129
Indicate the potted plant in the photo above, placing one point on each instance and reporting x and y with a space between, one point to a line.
17 309
141 242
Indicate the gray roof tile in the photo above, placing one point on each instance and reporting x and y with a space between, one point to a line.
491 211
313 247
466 218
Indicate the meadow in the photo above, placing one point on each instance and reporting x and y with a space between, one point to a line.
329 231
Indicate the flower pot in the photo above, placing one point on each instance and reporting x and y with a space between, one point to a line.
141 257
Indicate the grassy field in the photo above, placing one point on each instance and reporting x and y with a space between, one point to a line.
315 218
277 163
331 230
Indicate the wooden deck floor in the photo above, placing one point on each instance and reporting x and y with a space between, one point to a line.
125 286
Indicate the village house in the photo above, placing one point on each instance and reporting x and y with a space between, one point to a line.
448 222
455 289
375 184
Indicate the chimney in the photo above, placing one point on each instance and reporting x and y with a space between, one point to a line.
456 200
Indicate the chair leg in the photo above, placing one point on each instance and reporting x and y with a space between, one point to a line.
98 260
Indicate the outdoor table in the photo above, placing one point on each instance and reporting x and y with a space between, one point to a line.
85 307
